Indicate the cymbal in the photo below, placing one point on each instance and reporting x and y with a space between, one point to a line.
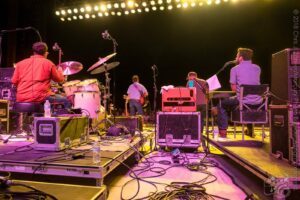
71 67
104 67
101 61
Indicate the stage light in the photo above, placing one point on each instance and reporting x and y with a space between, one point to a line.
152 2
103 8
57 13
185 5
217 2
96 8
69 11
109 6
201 4
170 7
75 10
93 16
80 17
154 8
88 8
132 11
169 1
147 9
81 9
63 12
119 13
113 13
193 4
136 5
75 17
69 19
179 5
116 5
177 1
106 14
139 10
126 12
130 4
62 19
144 4
100 14
87 16
161 8
159 1
208 2
123 5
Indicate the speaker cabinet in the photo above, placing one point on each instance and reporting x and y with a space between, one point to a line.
178 129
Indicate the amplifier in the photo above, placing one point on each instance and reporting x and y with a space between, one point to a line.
4 117
286 68
180 99
178 129
132 123
295 144
58 133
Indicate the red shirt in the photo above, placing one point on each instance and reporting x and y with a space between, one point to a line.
32 77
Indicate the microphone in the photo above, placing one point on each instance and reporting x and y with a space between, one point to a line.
231 62
55 47
153 67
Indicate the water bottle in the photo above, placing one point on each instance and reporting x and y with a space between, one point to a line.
96 152
216 133
47 109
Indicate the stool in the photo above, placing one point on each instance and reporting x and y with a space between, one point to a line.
28 109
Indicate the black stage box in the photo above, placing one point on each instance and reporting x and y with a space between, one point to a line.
178 129
284 132
4 117
58 133
132 123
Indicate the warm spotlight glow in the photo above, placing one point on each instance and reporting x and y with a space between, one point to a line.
109 6
217 2
123 5
152 2
161 8
57 13
87 16
119 13
74 17
116 5
113 13
177 1
88 8
154 8
106 14
100 14
69 11
63 12
130 4
147 9
169 1
139 10
62 19
69 19
159 1
80 17
103 8
209 2
179 5
132 11
126 12
96 8
93 16
144 4
193 4
185 5
170 7
82 10
75 10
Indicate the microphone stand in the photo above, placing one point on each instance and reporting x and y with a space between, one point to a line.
154 68
225 65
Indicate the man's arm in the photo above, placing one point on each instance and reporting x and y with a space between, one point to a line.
233 87
57 74
15 78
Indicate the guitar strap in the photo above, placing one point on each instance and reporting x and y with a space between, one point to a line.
140 91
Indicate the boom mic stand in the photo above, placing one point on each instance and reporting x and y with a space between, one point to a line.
155 74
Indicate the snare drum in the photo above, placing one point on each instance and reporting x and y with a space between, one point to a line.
89 102
70 87
88 85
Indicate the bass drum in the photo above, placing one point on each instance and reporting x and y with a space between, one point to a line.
89 102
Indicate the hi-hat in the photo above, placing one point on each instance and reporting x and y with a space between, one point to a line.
71 67
101 61
105 67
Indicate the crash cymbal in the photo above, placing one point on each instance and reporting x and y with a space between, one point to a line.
71 67
105 67
101 61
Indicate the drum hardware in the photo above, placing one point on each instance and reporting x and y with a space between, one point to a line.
101 61
102 68
71 67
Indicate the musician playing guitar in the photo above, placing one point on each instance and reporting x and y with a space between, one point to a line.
136 95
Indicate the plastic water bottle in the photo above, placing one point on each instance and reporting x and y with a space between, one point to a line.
216 133
47 109
96 152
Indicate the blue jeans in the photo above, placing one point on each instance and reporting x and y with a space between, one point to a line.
226 105
59 99
135 107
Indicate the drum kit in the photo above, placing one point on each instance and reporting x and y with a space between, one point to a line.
86 94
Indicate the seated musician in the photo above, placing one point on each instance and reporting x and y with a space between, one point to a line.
32 77
245 72
202 90
136 92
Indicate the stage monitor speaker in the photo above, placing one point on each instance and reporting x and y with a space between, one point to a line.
4 117
132 123
178 129
295 144
285 76
58 133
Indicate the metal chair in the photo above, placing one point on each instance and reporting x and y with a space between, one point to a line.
251 114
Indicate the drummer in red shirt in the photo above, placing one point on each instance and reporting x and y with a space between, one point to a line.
32 77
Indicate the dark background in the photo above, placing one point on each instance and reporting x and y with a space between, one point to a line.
200 39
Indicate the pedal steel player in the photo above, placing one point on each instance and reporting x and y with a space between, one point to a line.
32 77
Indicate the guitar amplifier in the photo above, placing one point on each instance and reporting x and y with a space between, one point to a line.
178 129
58 133
180 99
295 144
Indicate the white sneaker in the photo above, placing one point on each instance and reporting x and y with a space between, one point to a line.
222 139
